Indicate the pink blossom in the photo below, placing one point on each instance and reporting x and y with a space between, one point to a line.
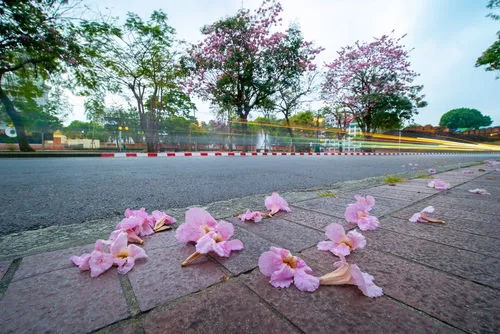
431 171
341 244
346 273
218 240
275 203
161 221
479 191
421 217
197 223
98 261
124 255
491 163
439 184
283 268
256 216
358 213
467 172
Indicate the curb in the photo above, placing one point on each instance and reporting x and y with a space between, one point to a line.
253 154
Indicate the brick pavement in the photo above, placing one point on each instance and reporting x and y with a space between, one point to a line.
436 278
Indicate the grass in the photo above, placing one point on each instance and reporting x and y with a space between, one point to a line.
424 176
328 194
391 179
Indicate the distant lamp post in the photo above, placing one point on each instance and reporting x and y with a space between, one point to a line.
120 139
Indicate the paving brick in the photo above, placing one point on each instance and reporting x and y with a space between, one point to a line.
62 301
326 206
473 266
446 234
32 265
313 219
124 327
465 194
283 233
247 258
342 309
4 265
229 308
159 240
448 213
397 193
484 204
459 302
161 278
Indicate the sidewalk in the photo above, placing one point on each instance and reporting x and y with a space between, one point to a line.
436 278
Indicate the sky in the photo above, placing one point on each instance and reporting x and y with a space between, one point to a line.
446 37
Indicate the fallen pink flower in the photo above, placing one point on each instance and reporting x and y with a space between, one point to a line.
479 191
491 163
421 217
198 222
216 241
284 268
467 172
275 203
341 244
346 273
129 226
431 171
438 184
255 216
98 261
358 213
162 221
124 255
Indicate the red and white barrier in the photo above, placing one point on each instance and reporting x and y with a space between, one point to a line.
253 154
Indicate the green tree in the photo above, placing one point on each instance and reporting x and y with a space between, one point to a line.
139 58
491 56
464 118
36 40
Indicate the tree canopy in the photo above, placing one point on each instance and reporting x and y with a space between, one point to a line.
490 58
464 118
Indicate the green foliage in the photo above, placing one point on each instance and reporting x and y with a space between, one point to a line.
393 179
490 58
464 118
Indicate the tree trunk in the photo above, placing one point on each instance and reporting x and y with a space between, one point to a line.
290 132
18 122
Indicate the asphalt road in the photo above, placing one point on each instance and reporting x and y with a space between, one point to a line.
40 192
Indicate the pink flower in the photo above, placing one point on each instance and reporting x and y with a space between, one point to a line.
479 191
256 216
161 221
438 184
124 256
275 203
346 273
128 225
431 171
467 172
217 241
284 268
98 261
358 213
341 244
197 223
421 217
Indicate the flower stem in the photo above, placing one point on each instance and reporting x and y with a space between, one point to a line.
190 258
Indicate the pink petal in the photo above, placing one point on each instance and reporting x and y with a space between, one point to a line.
187 232
341 250
81 261
119 245
415 218
126 266
136 252
198 217
225 229
99 262
304 281
357 239
283 277
235 244
205 244
269 262
428 209
364 282
351 213
335 232
275 203
368 223
325 245
159 215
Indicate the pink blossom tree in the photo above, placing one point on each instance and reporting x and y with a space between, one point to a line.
243 60
367 78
